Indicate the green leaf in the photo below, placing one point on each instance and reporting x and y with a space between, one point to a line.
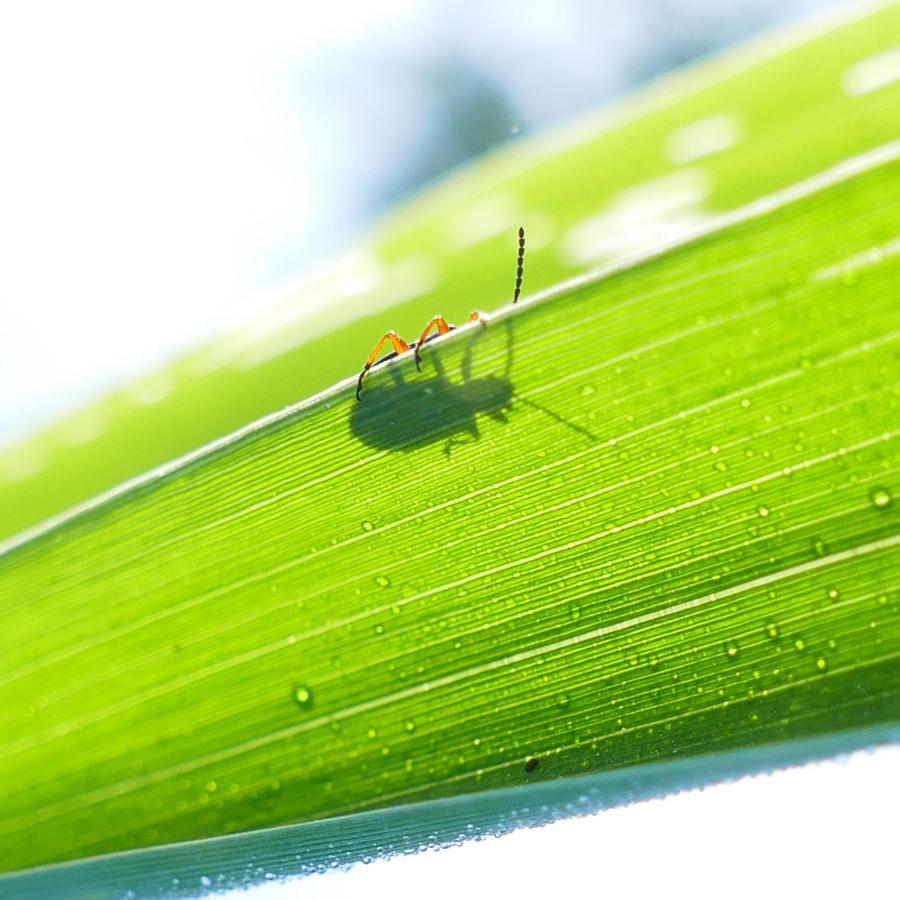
778 112
239 861
648 514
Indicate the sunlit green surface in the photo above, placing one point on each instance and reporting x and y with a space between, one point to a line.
777 115
682 536
258 857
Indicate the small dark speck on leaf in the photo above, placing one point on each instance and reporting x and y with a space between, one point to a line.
531 763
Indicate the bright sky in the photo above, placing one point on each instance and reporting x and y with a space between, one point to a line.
823 830
150 169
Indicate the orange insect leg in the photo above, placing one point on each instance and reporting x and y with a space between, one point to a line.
397 342
442 325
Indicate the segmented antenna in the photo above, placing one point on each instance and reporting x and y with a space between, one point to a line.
521 264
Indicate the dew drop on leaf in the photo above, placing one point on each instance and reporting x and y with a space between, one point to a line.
772 630
367 526
821 664
303 696
383 581
732 649
880 497
762 511
819 547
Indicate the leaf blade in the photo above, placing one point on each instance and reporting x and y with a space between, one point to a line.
559 586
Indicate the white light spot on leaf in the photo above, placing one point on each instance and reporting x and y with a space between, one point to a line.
702 138
361 273
540 230
870 257
357 274
270 336
640 217
152 388
21 462
872 73
484 219
81 428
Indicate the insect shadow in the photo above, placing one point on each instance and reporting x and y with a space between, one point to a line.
403 415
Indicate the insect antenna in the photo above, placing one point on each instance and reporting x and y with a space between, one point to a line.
520 268
520 265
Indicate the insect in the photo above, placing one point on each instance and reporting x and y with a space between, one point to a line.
437 322
399 414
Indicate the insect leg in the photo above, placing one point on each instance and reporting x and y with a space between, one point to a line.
397 343
442 325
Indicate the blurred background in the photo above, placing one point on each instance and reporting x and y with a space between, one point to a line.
171 169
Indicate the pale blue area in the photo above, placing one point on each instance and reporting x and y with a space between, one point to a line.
201 868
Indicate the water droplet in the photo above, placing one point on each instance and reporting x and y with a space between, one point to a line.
372 734
210 786
383 581
821 664
819 547
206 881
800 644
772 630
880 497
303 696
762 511
367 526
833 594
721 466
732 649
410 726
379 629
587 390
